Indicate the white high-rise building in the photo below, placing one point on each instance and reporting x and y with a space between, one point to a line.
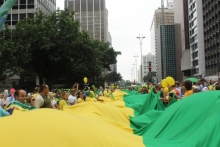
146 59
196 35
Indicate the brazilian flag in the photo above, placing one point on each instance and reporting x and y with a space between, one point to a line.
128 120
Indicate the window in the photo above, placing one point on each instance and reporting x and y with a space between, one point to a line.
14 16
22 16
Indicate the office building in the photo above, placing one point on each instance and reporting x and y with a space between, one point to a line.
92 15
181 14
172 52
211 38
196 33
157 20
146 59
26 9
113 67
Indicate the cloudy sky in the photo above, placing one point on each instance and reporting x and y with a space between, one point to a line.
128 18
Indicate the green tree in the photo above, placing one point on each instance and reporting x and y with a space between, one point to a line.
153 74
113 77
52 47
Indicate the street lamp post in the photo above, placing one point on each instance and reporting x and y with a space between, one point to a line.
141 42
131 75
134 72
136 67
163 39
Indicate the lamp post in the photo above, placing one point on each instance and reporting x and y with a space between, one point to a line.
163 39
131 75
136 67
134 72
141 42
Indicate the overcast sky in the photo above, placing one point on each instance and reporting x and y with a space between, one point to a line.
128 18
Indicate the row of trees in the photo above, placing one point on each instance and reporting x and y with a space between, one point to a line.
52 47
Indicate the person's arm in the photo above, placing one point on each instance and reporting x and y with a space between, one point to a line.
77 87
39 102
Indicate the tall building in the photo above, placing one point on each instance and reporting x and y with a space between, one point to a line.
113 67
92 15
27 8
157 20
173 52
181 14
146 59
196 33
212 35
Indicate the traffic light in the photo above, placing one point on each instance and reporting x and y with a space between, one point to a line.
149 67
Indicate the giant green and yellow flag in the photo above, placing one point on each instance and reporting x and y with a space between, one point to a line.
130 120
8 4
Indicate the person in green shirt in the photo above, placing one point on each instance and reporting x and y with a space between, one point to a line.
43 100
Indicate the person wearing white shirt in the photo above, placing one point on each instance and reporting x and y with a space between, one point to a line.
72 100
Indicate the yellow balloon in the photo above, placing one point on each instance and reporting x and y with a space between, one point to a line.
164 83
166 90
170 81
85 80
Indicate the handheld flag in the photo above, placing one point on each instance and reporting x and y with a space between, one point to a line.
4 11
111 95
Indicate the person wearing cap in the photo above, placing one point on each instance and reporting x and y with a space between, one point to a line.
188 86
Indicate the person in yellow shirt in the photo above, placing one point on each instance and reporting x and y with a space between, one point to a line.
211 88
188 86
88 97
80 97
63 102
36 92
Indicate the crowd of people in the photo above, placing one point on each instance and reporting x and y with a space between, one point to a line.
43 98
58 99
185 89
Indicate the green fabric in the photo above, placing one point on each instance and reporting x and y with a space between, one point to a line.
190 122
111 95
23 105
7 6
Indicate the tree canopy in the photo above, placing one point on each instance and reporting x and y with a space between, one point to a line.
52 46
113 77
148 76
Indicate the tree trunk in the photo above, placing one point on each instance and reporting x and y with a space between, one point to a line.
50 83
41 80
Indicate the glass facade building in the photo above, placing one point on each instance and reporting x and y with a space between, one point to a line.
172 52
92 15
27 8
211 24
